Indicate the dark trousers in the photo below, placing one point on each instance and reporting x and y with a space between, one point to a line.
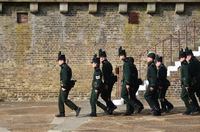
194 89
106 96
63 95
151 97
133 91
125 96
94 101
164 102
185 95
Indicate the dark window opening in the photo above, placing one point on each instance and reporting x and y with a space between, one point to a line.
133 18
22 17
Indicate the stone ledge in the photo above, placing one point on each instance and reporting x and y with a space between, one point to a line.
117 1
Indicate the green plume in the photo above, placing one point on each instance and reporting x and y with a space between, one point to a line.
59 54
120 49
100 51
95 56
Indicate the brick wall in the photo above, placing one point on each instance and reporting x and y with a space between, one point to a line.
28 67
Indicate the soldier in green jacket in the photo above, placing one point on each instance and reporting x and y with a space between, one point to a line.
163 84
186 94
194 71
65 83
109 81
151 93
97 87
134 87
126 82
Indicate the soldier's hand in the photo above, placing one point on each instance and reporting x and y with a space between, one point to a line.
63 89
151 88
187 88
127 86
106 87
96 91
160 87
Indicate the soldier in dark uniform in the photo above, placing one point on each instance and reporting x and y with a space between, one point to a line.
134 87
163 84
151 93
66 85
126 82
97 87
194 71
186 94
109 81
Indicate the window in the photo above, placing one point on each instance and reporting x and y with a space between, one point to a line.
133 18
22 17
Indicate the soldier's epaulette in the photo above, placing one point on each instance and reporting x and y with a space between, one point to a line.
126 59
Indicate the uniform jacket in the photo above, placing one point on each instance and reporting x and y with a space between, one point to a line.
65 75
162 75
127 75
97 79
194 69
185 77
134 72
152 74
107 71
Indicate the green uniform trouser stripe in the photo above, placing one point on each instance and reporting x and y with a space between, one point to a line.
184 96
124 95
94 101
151 97
63 99
161 95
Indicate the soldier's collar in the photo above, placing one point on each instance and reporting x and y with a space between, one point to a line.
184 62
104 61
62 65
126 59
151 63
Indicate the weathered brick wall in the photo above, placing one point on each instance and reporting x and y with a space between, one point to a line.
28 67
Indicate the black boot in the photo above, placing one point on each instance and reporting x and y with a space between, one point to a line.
139 110
110 111
127 114
156 111
62 114
78 109
93 114
187 113
169 108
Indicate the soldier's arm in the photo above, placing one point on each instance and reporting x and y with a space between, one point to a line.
153 77
162 75
106 75
127 73
186 73
65 77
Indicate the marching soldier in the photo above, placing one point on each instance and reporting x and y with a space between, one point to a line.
66 85
109 81
194 70
134 87
97 87
151 93
186 94
163 84
126 82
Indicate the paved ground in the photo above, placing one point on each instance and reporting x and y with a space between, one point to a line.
39 117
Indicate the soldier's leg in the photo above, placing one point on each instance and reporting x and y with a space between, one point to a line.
149 97
167 103
68 102
104 96
124 95
184 97
93 101
129 108
192 95
110 86
134 96
161 96
102 106
61 103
